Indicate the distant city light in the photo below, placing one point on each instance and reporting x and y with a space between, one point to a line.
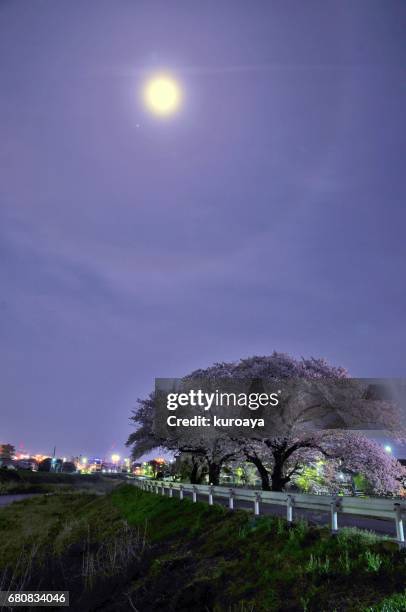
388 448
115 458
84 460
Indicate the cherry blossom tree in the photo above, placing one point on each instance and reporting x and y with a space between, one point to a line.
320 403
214 453
317 397
279 460
205 454
143 438
359 454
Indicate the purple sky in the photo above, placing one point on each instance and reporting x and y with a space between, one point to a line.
268 214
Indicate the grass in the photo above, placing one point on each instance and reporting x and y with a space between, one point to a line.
396 603
45 522
71 541
25 481
131 549
262 562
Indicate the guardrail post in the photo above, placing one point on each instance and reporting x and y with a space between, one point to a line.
194 495
231 499
180 492
289 509
400 534
163 489
256 503
170 490
211 495
335 505
156 488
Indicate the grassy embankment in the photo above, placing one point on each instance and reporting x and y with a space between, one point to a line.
134 550
14 482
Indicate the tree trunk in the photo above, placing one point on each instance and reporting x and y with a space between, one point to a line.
214 473
277 477
263 472
194 473
198 472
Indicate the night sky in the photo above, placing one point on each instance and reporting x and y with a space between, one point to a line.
267 214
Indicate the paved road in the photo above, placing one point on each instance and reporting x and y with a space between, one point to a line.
381 526
5 500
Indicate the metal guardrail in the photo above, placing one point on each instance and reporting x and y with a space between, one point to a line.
370 508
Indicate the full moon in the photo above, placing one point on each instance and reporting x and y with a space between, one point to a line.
162 95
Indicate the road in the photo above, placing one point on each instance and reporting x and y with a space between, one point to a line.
380 526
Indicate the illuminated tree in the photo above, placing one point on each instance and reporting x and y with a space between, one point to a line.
360 455
206 456
317 397
143 439
319 404
280 460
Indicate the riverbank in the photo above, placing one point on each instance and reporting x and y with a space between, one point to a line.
14 482
135 549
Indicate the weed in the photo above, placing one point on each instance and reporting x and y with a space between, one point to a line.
395 603
344 563
352 536
317 565
114 555
301 528
304 601
280 526
373 561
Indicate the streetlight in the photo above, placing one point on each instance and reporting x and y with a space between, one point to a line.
388 448
115 458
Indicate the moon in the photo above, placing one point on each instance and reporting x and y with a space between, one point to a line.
162 95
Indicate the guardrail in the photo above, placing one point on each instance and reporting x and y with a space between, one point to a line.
371 507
